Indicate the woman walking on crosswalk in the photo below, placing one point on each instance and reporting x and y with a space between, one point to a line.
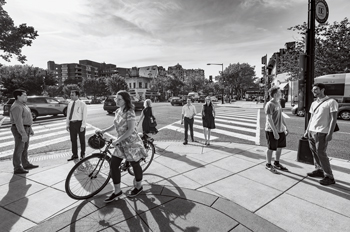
208 119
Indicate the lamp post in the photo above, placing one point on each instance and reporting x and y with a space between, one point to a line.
222 74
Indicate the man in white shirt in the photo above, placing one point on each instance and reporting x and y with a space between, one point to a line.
76 124
188 113
320 130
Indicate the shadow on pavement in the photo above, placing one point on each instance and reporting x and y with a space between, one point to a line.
18 188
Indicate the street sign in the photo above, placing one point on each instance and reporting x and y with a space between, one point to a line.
322 11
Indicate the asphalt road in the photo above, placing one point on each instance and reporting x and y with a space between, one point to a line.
167 114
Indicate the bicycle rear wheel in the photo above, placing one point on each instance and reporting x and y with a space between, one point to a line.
145 162
88 177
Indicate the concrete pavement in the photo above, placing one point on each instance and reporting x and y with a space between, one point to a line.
221 187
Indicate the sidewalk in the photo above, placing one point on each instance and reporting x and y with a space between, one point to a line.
221 187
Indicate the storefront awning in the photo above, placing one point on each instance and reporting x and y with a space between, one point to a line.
284 86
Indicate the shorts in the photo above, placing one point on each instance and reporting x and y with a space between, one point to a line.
272 143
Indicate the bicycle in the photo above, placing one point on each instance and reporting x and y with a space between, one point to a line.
90 175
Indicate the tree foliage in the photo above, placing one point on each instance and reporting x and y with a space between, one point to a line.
54 90
13 38
95 87
237 78
68 88
116 83
332 49
25 77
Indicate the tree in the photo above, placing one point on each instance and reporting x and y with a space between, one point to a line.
238 78
116 83
13 38
25 77
173 84
68 88
95 87
54 90
332 49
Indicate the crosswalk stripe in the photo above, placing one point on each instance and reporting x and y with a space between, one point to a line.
235 118
39 126
182 130
38 131
228 133
43 144
253 125
231 127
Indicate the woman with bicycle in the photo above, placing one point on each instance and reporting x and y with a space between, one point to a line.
128 145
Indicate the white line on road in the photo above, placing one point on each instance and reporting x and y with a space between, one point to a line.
230 127
257 141
182 130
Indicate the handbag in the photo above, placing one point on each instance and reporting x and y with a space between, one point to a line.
153 122
336 128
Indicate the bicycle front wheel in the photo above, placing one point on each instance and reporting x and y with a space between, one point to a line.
88 177
145 162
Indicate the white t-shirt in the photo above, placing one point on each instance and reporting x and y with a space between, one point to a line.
321 118
189 111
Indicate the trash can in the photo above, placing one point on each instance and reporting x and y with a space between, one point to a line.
283 102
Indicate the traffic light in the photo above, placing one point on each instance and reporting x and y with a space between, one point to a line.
263 70
262 80
210 78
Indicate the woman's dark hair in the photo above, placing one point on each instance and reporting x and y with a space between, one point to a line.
18 93
127 99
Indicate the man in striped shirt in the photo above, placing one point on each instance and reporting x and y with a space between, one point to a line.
21 120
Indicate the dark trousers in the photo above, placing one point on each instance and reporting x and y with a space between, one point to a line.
20 153
74 130
188 122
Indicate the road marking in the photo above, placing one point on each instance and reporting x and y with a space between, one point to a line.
285 115
238 123
182 130
235 118
230 127
228 133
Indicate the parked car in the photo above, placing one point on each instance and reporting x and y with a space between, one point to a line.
169 99
62 100
110 106
343 112
214 99
201 99
178 101
86 100
40 106
96 101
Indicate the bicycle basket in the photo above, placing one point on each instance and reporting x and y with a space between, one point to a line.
96 142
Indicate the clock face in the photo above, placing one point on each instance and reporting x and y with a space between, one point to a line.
322 11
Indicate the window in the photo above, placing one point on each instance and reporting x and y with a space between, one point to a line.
36 100
130 85
51 101
134 85
140 84
146 85
334 89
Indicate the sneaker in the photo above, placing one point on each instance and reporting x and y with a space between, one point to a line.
30 166
21 171
112 197
135 192
271 169
327 181
316 173
185 143
280 167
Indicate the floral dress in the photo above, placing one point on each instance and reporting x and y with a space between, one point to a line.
132 148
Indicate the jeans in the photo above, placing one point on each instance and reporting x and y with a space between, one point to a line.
20 153
188 122
318 147
74 130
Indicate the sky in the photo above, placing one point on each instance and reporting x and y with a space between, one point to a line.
139 33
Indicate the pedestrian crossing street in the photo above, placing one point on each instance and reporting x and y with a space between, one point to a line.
231 123
45 134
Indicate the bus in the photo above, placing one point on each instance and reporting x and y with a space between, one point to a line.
337 86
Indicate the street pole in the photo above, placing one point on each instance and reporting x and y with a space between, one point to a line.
310 52
223 80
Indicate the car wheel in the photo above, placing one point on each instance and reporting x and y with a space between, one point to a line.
172 104
110 112
345 115
34 115
301 113
65 112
